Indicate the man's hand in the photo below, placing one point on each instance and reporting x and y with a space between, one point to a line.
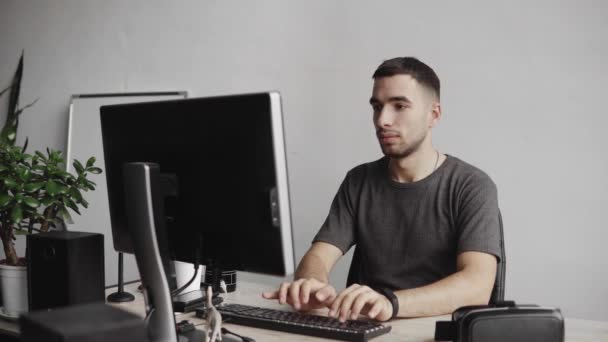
304 294
357 299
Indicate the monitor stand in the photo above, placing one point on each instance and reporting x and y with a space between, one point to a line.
144 208
145 218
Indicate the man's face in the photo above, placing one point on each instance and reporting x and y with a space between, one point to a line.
403 114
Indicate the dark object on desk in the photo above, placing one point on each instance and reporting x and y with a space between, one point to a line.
189 301
213 277
299 323
502 322
244 338
64 268
94 322
184 327
121 295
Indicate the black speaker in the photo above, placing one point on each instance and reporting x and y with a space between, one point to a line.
94 322
64 268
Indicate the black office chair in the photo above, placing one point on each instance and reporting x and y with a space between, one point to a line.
498 292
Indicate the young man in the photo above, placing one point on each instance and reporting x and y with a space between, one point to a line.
425 225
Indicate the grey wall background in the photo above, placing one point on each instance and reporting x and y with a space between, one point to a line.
523 95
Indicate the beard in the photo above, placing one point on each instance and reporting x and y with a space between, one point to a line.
403 150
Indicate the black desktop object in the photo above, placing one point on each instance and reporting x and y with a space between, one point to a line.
223 178
64 268
81 323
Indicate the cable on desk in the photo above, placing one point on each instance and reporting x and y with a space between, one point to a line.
244 338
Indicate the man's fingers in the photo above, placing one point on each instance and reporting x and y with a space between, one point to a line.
298 294
376 308
348 300
294 294
361 300
283 293
337 303
271 295
326 294
305 292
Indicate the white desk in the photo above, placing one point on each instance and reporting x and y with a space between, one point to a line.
414 330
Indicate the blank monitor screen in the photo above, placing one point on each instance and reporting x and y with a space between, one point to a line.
223 177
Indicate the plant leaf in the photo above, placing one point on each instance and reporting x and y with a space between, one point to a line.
5 199
78 166
52 188
71 204
16 88
90 162
31 202
5 90
75 193
24 173
31 187
27 140
95 170
9 131
63 212
10 183
64 175
16 214
20 110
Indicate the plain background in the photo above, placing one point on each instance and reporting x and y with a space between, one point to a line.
523 95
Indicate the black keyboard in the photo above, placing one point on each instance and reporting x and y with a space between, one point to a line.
299 323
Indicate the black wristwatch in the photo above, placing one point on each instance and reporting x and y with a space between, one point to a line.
390 295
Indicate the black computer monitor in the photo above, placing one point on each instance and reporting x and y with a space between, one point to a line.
223 177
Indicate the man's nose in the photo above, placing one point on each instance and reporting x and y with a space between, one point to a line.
384 118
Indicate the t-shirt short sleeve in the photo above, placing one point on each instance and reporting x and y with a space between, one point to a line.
478 219
339 226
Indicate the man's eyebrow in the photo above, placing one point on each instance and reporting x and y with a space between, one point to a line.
373 100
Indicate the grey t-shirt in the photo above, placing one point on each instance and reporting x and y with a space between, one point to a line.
409 234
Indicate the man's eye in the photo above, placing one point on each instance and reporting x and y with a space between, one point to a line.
376 108
400 106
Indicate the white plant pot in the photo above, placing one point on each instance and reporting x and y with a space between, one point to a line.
13 284
184 272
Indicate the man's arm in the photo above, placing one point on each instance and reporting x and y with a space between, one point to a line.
310 288
470 285
318 262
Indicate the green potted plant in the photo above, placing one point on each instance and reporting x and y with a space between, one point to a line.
35 195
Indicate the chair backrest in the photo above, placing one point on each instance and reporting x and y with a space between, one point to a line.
498 292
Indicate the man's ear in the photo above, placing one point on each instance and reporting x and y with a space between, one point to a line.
435 114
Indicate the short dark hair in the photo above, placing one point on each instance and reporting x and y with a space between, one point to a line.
419 71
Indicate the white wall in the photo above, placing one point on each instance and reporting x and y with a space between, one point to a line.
523 98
